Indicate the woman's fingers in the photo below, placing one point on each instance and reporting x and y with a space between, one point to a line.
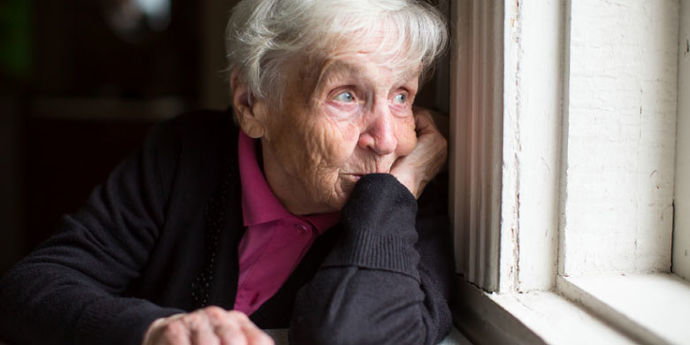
208 326
424 162
254 335
231 334
423 121
201 329
175 332
228 326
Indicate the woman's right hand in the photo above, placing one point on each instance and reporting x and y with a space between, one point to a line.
419 167
207 326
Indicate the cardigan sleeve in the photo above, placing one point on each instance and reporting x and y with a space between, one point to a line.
388 279
69 290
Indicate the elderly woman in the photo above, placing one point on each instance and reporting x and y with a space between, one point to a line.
306 216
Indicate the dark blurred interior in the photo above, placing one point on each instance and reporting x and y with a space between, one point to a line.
81 83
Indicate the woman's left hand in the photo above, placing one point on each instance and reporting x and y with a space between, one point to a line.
415 170
210 325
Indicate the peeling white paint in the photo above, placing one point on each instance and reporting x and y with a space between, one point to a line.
531 146
620 136
509 244
681 234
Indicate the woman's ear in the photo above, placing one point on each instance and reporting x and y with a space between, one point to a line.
250 115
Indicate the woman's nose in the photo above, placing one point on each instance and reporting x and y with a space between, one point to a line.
379 136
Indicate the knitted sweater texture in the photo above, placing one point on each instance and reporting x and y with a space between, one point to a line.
160 237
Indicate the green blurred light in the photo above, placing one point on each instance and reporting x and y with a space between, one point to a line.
15 38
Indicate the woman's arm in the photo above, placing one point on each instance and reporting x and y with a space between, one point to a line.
65 292
385 282
389 278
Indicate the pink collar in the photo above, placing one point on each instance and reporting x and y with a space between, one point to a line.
260 205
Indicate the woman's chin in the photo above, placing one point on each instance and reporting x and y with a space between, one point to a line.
343 193
336 197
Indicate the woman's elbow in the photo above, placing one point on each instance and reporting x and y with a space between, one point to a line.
358 331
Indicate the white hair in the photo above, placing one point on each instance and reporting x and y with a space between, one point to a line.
263 34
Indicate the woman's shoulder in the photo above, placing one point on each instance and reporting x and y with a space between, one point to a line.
200 123
193 151
202 118
195 132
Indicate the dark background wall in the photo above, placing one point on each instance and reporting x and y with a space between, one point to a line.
81 83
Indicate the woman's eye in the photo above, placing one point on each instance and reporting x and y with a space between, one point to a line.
345 97
400 98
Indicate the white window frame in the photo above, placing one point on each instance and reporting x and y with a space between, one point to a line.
510 87
681 231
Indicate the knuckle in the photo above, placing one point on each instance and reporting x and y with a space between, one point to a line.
214 308
233 337
194 320
215 312
174 331
237 315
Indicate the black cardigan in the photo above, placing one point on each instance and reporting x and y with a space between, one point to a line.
160 237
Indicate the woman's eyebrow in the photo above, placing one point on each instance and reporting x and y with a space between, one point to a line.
336 68
407 75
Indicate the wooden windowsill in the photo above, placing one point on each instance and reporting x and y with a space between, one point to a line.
533 318
651 308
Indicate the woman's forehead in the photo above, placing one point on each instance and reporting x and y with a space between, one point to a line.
380 48
382 41
363 64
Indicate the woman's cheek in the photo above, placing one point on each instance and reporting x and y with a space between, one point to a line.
347 124
329 141
342 112
407 136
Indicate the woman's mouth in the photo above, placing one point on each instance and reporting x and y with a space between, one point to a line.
355 177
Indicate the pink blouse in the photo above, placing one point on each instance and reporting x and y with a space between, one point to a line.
275 240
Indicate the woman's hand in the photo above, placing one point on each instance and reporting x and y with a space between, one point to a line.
415 170
207 326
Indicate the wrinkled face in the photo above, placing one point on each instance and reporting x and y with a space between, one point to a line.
349 116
